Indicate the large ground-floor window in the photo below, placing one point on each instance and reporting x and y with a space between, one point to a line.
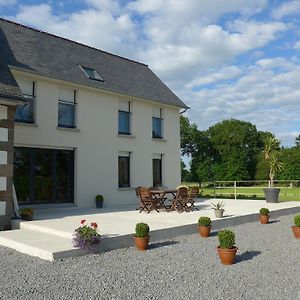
44 175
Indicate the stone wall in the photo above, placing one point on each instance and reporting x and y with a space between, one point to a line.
7 114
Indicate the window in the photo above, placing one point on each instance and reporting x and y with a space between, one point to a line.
124 118
157 170
157 123
24 112
91 73
66 108
124 169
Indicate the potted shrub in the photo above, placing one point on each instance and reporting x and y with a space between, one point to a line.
296 228
204 226
264 215
141 238
271 153
86 236
218 209
226 249
26 213
99 201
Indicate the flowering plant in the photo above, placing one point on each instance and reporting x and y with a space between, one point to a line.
86 236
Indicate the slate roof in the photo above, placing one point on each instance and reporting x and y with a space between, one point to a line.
60 58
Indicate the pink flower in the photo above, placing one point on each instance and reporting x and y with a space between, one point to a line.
82 222
94 225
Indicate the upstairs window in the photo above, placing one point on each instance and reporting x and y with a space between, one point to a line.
91 73
157 123
24 112
157 170
124 118
124 169
67 108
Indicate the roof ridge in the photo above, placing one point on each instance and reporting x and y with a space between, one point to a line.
68 40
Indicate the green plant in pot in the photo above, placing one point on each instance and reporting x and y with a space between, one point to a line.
141 237
272 156
264 215
99 201
296 228
227 249
204 226
218 209
26 213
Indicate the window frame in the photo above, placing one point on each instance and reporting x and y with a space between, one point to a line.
96 76
160 118
128 113
74 105
127 157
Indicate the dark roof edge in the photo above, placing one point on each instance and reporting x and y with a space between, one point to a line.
68 40
97 88
12 97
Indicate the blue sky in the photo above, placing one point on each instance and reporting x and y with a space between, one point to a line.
225 59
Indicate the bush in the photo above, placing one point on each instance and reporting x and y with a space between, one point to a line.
86 236
264 211
297 220
226 239
204 221
142 230
99 197
26 211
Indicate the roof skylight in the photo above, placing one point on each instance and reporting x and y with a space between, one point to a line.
91 73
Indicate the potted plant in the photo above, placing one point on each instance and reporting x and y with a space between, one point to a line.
218 209
296 228
264 215
271 153
99 201
26 213
141 238
86 236
204 226
226 249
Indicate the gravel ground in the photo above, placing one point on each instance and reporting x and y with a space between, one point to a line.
186 267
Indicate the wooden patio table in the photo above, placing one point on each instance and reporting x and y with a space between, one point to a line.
161 196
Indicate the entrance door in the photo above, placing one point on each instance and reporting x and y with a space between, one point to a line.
44 175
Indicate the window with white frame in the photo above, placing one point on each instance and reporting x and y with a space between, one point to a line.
124 117
157 169
124 169
157 123
67 108
25 112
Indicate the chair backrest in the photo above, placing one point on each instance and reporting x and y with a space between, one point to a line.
194 191
143 193
182 192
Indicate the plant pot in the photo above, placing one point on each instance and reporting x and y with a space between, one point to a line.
204 230
271 195
99 203
296 230
219 213
26 217
141 243
227 256
264 219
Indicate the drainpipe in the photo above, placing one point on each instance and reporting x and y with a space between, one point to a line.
184 110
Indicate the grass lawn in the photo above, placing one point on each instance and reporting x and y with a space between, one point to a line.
256 193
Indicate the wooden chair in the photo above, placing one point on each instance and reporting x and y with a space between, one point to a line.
180 201
147 202
193 194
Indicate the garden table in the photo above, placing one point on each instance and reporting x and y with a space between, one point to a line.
161 196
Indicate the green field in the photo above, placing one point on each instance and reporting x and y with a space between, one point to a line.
255 193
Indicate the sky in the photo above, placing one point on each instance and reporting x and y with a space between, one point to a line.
224 58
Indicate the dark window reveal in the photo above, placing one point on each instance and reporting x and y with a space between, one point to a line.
157 172
124 171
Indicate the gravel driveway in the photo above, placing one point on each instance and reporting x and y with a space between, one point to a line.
187 267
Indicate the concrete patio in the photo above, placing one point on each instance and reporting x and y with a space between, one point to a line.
49 236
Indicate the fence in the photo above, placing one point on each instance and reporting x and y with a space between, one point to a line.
289 189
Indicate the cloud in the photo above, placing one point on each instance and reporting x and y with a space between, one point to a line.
7 2
297 45
286 9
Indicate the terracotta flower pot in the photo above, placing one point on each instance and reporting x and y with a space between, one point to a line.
264 219
296 230
141 243
227 256
204 231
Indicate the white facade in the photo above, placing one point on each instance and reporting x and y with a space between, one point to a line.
96 141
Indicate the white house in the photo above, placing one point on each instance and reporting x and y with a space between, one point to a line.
93 122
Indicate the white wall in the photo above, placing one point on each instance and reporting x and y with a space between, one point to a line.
97 143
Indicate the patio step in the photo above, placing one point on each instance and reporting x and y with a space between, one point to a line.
39 244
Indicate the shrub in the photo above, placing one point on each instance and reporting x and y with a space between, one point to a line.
226 239
142 230
204 221
99 197
26 211
264 211
297 220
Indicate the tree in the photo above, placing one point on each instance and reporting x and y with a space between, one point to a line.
298 141
185 174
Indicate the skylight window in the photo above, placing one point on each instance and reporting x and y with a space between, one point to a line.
91 73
